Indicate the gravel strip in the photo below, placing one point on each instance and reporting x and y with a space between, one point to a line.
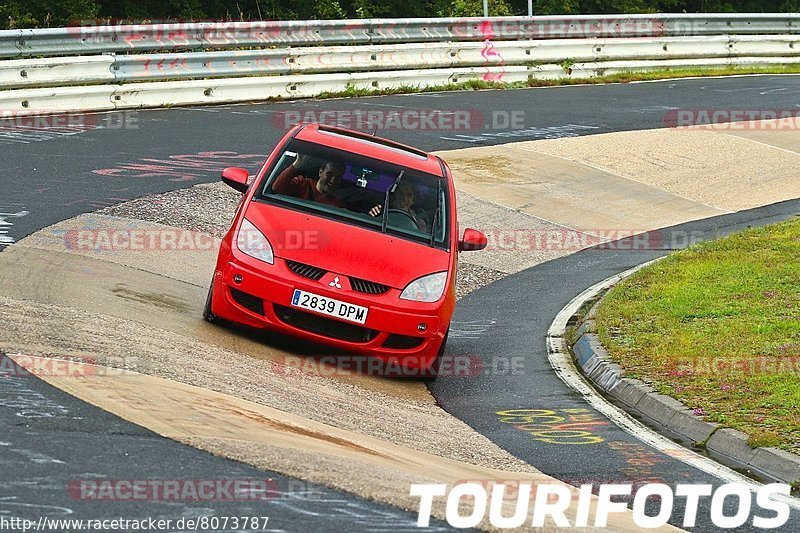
208 208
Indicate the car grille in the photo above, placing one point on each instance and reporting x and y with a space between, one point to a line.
248 301
307 271
369 287
402 342
324 326
357 284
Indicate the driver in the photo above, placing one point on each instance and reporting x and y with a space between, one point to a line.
403 200
293 181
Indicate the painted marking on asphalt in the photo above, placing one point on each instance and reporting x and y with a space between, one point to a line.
737 90
37 457
182 167
556 426
648 109
565 369
425 95
391 106
552 132
470 329
5 227
9 504
335 508
27 403
205 109
639 460
27 134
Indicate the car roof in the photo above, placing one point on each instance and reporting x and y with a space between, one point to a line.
372 146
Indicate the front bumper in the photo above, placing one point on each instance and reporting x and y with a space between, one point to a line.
391 332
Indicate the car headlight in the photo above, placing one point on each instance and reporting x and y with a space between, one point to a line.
425 289
253 243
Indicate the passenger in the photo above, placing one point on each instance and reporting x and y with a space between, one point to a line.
293 182
402 199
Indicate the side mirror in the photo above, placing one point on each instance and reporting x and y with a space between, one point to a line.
235 177
473 240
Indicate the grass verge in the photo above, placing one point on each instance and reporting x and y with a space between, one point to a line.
717 326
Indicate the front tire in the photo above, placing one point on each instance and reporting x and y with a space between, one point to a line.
208 316
433 370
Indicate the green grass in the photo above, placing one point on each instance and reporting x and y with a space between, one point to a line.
353 91
717 326
665 74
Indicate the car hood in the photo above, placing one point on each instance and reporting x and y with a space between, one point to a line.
345 249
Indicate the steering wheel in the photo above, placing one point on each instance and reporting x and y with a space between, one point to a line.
400 219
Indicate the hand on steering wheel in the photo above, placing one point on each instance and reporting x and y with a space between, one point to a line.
405 221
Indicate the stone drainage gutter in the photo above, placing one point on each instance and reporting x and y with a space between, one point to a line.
664 413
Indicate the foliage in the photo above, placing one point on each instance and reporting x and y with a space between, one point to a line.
44 13
51 13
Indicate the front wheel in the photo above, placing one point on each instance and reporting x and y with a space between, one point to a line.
208 316
433 370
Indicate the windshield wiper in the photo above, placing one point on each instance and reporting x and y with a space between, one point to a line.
390 190
438 212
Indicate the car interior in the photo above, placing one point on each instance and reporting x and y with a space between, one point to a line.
363 188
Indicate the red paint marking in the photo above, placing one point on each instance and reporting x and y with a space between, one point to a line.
489 52
487 30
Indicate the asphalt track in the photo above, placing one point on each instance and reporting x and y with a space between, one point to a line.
50 175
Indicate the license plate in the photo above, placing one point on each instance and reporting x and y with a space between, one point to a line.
329 306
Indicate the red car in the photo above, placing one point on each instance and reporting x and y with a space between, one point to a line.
348 240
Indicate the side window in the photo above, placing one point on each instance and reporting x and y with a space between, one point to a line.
441 217
286 159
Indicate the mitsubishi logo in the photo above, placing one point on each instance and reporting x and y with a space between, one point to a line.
335 283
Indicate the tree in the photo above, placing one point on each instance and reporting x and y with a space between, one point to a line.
328 9
388 9
474 8
45 13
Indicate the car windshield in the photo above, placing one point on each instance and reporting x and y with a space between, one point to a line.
361 191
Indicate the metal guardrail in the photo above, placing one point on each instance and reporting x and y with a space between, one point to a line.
258 88
89 39
379 54
46 72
